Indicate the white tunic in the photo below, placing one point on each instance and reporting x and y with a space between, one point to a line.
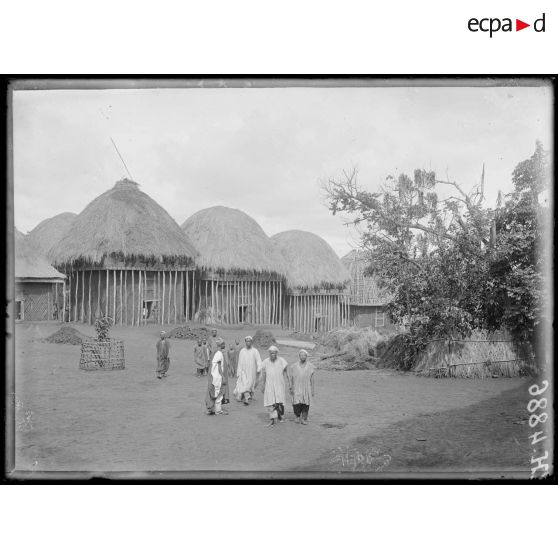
249 364
217 379
274 381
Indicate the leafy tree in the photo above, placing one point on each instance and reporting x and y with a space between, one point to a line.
451 264
516 299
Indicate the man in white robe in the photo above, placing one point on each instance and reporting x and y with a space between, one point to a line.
248 368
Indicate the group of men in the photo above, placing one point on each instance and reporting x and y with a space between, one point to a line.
273 373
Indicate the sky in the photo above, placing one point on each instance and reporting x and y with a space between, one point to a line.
265 151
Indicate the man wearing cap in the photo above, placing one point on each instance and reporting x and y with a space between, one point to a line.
249 366
274 377
163 360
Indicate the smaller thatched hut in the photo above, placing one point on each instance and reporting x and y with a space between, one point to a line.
48 233
239 272
367 299
39 288
126 258
316 280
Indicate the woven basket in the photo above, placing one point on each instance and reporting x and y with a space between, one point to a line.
102 355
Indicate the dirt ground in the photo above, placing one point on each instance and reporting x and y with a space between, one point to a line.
365 422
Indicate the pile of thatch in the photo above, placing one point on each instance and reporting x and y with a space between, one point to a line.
230 240
479 356
263 338
311 261
352 348
396 352
187 332
67 335
48 233
124 223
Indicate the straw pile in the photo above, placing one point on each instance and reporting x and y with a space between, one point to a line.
230 240
352 348
264 339
67 335
479 356
187 332
311 261
126 224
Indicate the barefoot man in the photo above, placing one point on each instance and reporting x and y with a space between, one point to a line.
249 366
273 378
163 360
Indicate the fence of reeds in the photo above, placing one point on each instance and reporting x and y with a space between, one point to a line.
102 355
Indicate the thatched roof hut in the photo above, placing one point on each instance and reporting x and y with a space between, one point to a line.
311 262
229 240
31 265
125 224
316 280
240 272
49 233
38 285
128 259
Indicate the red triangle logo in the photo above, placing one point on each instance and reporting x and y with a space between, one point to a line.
519 25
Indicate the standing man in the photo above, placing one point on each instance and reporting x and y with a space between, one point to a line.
212 343
274 377
249 366
200 358
163 360
216 383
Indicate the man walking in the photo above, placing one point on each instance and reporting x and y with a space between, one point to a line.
249 366
274 377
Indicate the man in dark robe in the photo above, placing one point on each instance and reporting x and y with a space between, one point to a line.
163 360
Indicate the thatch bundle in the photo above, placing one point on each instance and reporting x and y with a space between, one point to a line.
48 233
311 261
354 343
29 264
230 240
123 223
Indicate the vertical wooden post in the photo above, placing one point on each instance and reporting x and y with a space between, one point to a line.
126 296
107 294
82 317
64 301
99 293
182 296
163 301
114 296
121 303
140 305
70 296
76 298
175 303
187 297
133 299
89 297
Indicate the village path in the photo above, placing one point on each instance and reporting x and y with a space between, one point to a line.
129 421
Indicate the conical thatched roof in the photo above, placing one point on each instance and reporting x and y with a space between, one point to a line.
124 223
29 264
311 261
230 240
48 233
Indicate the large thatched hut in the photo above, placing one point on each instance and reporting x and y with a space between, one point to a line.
239 278
39 288
127 258
316 280
367 299
48 233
